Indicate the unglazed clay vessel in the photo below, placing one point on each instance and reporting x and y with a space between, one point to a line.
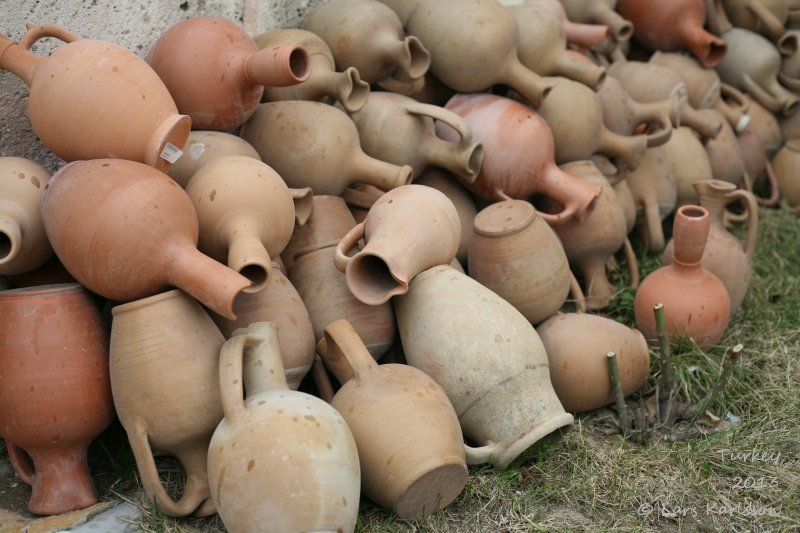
315 145
674 25
369 36
400 130
583 35
785 163
81 101
767 128
516 254
23 242
696 303
578 363
448 185
724 156
217 74
600 12
767 17
518 155
279 457
725 256
416 465
281 304
408 230
496 374
689 163
655 193
164 367
324 82
55 395
205 146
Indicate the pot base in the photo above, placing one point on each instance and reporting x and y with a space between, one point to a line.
432 491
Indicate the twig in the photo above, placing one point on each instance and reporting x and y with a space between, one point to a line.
616 386
663 347
727 369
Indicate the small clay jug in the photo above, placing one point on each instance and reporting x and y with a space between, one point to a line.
696 303
724 156
725 256
767 17
583 35
324 82
768 129
495 369
785 164
55 395
369 36
81 100
399 130
205 146
216 73
246 215
689 163
518 155
758 167
315 145
600 12
578 363
671 26
164 367
655 192
516 254
416 465
23 242
281 304
279 457
408 230
144 241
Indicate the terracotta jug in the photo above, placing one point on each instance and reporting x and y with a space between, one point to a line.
767 17
696 303
767 128
724 156
55 396
416 465
164 365
324 82
145 240
281 304
655 192
315 145
785 163
578 363
689 163
518 155
725 256
216 73
246 215
671 26
752 65
494 371
516 254
583 35
473 45
205 146
600 12
408 230
400 130
757 165
465 206
23 242
369 36
542 48
279 457
81 100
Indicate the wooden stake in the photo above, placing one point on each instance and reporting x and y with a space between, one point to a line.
722 382
664 349
616 385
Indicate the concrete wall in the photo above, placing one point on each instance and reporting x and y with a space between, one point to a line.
135 24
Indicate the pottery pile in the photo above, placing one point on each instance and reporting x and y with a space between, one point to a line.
388 209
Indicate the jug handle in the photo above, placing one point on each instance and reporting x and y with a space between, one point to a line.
479 456
40 31
347 243
655 232
577 293
751 206
760 94
231 378
775 192
633 264
443 115
770 21
344 352
22 463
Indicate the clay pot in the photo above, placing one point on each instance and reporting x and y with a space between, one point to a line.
51 273
583 35
671 26
758 168
55 396
216 73
81 100
400 130
655 192
723 155
696 303
246 215
205 146
599 12
516 254
416 465
279 457
402 8
324 82
765 125
329 222
494 371
473 45
767 17
789 76
23 242
408 230
518 155
626 201
316 145
164 366
785 163
725 256
752 65
689 163
578 363
369 36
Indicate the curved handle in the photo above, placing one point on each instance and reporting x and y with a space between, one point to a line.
771 23
775 193
361 195
751 207
347 243
577 293
40 31
22 463
655 233
343 351
761 95
729 93
479 456
443 115
231 382
321 379
633 263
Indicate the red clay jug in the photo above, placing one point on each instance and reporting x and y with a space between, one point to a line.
55 394
204 146
216 73
92 99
